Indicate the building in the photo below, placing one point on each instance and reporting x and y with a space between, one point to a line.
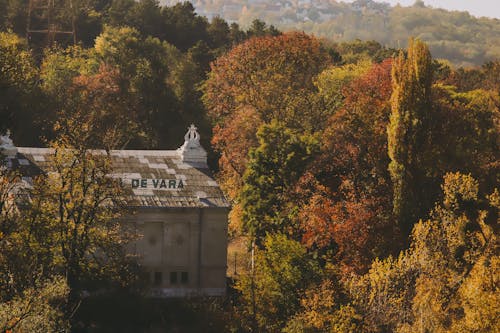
180 212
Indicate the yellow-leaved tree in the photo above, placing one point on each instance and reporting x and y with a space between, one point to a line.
76 209
448 280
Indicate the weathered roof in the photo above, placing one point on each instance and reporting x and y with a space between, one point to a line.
151 178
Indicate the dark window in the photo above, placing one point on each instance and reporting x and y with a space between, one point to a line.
173 277
158 278
184 277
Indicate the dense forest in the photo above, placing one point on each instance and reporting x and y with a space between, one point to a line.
453 35
364 180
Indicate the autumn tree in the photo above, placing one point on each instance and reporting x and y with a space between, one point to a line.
260 80
31 298
36 309
75 211
60 66
447 279
333 81
99 113
407 132
322 311
18 75
384 294
452 250
466 132
345 215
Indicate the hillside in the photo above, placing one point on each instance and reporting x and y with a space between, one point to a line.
457 36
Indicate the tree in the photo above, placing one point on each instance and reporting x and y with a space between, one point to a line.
346 215
384 294
183 27
447 279
259 28
145 16
452 250
61 66
58 70
408 132
144 67
322 311
357 50
237 35
36 309
466 134
18 75
98 113
119 12
332 82
260 80
273 169
218 33
75 211
31 299
271 292
254 72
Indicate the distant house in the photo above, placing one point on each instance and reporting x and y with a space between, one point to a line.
181 213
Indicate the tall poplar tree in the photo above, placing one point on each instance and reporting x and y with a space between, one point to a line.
407 131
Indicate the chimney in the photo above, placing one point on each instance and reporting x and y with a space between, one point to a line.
192 151
7 147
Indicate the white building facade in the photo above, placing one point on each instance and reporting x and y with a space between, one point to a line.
180 213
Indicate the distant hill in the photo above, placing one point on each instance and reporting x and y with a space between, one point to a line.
457 36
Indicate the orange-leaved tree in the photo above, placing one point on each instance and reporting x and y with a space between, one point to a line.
260 80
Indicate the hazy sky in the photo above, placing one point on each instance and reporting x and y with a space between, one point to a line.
490 8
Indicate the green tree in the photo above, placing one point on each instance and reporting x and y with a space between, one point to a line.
183 27
273 169
120 12
218 33
271 291
259 28
408 131
465 134
146 17
237 35
144 66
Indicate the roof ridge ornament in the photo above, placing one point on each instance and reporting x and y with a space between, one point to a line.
192 136
7 146
192 151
